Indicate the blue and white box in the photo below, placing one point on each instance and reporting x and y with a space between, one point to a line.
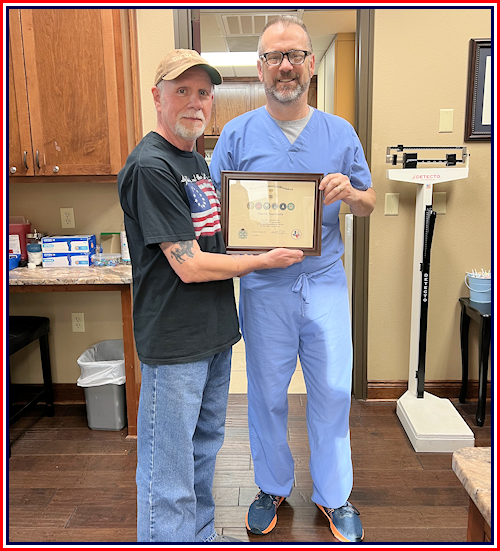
69 244
66 260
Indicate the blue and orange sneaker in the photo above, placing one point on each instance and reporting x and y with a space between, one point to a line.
262 514
344 522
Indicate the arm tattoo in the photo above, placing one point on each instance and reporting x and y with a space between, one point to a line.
182 250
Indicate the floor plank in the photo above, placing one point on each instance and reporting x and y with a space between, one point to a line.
68 483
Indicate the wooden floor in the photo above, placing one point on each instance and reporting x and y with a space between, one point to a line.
68 483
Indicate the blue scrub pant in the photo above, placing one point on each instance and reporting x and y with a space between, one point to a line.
308 315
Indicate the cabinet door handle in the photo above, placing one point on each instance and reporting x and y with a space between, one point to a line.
55 169
218 130
38 159
24 160
213 130
13 169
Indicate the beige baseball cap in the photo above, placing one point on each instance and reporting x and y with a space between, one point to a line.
178 61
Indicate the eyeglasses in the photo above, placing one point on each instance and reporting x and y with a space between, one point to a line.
295 57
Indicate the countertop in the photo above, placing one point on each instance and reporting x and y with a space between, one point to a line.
473 468
90 275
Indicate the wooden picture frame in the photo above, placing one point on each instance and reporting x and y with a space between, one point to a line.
265 210
479 98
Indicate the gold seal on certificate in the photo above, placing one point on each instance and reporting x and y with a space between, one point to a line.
265 210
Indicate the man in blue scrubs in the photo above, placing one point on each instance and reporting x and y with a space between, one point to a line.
303 309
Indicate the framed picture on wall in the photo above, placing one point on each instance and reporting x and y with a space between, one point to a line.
478 109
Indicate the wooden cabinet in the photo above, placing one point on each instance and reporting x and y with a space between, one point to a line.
258 95
240 95
68 114
20 149
478 529
230 100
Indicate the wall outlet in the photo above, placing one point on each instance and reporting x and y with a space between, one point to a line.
67 217
78 323
391 204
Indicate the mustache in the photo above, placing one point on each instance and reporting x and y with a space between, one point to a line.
194 115
286 74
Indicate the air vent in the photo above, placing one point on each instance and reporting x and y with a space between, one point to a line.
242 43
249 23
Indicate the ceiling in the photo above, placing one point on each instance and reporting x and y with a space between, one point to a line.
238 30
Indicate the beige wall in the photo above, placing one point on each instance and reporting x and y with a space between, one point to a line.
337 79
97 210
420 67
155 29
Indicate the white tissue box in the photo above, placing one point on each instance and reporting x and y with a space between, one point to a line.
66 260
69 244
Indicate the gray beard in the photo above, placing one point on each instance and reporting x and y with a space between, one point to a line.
188 133
286 96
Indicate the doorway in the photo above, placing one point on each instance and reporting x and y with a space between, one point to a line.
238 27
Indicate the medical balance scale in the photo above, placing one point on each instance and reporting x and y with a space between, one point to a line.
431 423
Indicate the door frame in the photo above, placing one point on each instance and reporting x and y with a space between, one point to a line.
361 232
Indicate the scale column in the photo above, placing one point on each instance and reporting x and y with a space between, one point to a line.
424 199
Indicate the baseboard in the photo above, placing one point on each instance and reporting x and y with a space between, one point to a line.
393 390
64 393
69 393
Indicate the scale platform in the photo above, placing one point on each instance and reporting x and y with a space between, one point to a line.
433 424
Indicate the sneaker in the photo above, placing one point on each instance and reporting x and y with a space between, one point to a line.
344 522
224 539
262 514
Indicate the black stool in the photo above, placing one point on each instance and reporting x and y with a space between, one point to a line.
23 330
480 312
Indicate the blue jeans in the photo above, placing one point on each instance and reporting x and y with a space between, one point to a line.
180 429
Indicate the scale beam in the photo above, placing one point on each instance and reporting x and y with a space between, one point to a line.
417 170
411 160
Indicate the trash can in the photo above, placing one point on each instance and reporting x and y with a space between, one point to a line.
103 379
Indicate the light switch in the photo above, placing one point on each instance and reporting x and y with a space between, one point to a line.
439 202
391 204
446 120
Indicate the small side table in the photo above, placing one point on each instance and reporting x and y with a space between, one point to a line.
480 312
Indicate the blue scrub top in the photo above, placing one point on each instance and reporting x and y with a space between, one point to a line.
328 144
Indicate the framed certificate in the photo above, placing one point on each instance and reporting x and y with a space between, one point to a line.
265 210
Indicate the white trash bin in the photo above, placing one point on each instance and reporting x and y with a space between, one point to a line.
103 379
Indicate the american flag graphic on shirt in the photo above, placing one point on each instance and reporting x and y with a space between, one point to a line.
205 207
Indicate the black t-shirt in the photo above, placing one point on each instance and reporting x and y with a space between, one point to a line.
167 195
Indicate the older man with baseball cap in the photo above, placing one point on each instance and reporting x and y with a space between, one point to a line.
185 320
